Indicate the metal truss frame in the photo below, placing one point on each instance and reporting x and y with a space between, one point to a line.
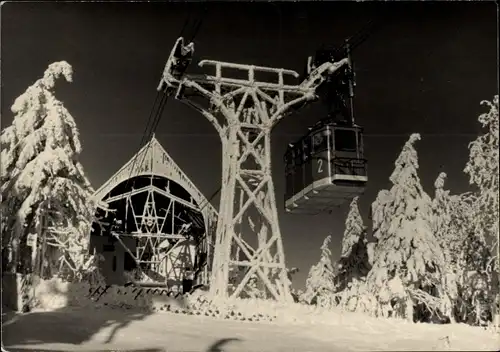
244 112
157 230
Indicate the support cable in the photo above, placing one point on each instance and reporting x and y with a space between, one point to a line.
154 119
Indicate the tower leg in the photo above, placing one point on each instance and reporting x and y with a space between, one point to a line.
220 269
254 181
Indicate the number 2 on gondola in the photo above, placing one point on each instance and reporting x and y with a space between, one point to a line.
320 166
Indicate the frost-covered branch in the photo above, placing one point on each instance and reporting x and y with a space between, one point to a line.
354 261
483 171
41 177
407 250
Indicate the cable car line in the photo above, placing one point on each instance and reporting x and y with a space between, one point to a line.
143 138
196 29
154 126
337 93
186 21
151 126
157 114
198 23
210 199
146 135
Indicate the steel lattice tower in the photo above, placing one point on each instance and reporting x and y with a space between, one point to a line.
244 112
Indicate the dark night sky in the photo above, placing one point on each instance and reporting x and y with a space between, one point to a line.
426 71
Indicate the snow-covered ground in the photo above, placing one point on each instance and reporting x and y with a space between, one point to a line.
121 330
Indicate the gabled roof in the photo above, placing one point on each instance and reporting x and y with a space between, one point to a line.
152 159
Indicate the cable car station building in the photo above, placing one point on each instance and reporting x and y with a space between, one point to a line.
154 222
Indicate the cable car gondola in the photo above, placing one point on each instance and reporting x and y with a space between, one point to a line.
326 168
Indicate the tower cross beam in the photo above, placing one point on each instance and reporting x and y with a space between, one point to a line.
250 68
250 147
244 111
238 83
253 200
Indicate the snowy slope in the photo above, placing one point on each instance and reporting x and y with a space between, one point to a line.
106 329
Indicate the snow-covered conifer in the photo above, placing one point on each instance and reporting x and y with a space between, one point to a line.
444 212
483 171
320 281
43 185
354 228
354 261
407 260
441 208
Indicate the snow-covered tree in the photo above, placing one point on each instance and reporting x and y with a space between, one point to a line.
408 259
441 208
483 171
320 281
354 261
354 229
470 256
463 280
355 294
444 212
43 186
379 209
296 294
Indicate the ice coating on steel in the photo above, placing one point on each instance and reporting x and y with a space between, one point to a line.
177 63
243 111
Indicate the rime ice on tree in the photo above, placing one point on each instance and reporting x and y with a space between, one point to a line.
483 171
444 209
354 228
353 263
407 258
40 175
463 280
320 281
442 215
